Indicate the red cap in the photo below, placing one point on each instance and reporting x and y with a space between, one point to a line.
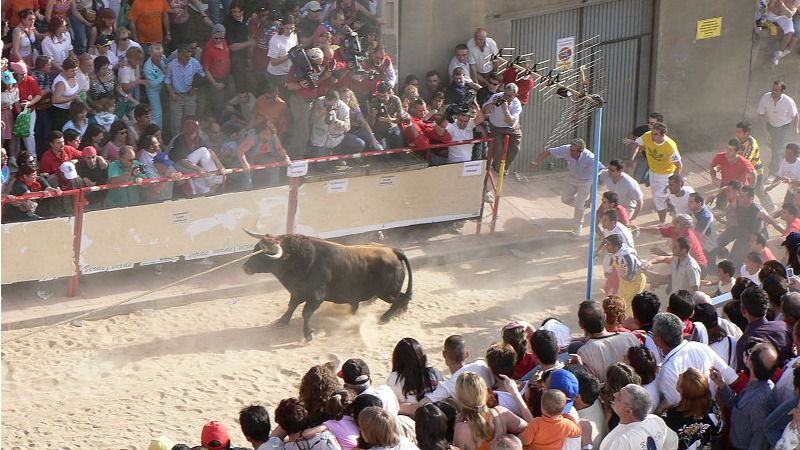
89 151
215 436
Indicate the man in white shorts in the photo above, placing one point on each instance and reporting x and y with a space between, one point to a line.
781 13
663 159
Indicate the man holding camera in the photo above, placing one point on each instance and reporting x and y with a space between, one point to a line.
301 81
125 170
463 129
581 175
503 110
330 123
386 111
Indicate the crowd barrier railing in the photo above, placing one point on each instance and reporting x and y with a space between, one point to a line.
296 170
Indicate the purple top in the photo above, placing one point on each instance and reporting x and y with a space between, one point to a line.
774 331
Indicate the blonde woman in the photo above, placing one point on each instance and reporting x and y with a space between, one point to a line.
379 428
477 424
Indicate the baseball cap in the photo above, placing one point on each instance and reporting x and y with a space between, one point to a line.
89 151
215 436
218 28
313 5
563 335
275 14
314 53
103 41
384 87
262 6
18 67
163 158
8 77
565 381
354 371
68 170
792 240
161 443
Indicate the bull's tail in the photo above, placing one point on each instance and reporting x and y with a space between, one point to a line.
400 304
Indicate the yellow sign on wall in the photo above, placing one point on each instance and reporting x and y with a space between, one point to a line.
709 28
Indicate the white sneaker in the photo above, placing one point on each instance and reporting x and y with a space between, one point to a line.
576 232
778 55
489 197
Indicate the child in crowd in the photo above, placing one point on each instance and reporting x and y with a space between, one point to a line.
549 431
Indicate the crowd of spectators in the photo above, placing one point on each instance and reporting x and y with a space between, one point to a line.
672 376
100 92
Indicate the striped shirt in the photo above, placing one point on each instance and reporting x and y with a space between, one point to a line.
750 150
180 77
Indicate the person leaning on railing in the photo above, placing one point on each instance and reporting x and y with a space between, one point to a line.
125 170
27 181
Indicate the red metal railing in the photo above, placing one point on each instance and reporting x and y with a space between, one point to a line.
79 194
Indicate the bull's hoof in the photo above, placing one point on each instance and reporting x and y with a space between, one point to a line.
280 323
310 335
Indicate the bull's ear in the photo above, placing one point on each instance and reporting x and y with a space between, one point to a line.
251 234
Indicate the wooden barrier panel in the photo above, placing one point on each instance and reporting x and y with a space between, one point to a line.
195 228
360 204
37 250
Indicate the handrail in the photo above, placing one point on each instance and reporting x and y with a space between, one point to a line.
188 176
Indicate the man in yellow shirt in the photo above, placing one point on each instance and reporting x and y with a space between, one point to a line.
663 159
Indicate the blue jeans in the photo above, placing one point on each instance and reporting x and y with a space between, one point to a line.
391 138
213 9
80 34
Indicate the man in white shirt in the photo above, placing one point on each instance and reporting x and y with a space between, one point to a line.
481 47
781 12
679 355
503 110
627 189
788 172
462 130
278 53
637 429
581 164
463 59
588 403
777 113
678 195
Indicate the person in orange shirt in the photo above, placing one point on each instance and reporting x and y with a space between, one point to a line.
149 21
549 431
12 8
272 107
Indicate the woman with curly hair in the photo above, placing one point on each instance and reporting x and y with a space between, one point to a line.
516 334
317 386
411 377
614 307
618 376
294 419
477 423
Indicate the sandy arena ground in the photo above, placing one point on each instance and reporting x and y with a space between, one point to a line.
117 383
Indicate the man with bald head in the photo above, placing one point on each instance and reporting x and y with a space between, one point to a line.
481 47
750 408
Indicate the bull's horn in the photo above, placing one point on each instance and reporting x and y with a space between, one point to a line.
251 234
277 254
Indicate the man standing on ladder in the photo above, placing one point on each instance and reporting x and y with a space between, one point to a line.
581 176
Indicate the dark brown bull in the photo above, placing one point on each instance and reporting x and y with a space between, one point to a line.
315 270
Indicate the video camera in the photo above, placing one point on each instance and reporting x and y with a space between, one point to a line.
353 53
454 110
303 66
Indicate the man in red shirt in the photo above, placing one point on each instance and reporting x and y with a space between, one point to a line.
681 227
421 133
525 83
216 62
301 96
732 166
57 153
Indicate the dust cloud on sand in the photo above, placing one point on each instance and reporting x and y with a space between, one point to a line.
119 382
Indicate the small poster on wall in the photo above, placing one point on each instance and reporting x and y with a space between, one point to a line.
565 53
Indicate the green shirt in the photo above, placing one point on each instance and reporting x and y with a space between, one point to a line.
123 196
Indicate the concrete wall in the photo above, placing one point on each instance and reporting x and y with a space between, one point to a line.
701 85
430 30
